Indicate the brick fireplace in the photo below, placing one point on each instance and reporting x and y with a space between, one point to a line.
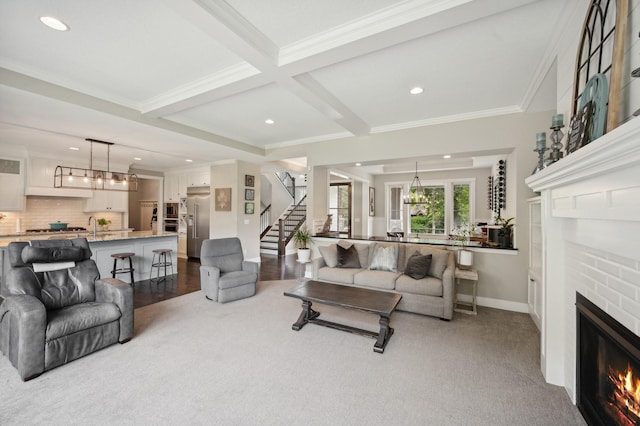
591 243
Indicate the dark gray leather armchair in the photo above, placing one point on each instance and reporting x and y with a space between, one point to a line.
56 307
224 274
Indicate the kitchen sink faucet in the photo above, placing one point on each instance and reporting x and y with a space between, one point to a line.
95 224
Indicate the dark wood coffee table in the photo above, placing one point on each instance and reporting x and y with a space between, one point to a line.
377 302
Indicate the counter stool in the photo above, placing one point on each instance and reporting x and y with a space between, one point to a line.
123 269
158 261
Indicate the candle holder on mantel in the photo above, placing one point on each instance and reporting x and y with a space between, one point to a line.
556 137
541 148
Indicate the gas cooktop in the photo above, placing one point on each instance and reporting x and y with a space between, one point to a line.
49 230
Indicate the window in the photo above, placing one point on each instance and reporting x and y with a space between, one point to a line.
340 207
461 197
449 205
428 218
395 209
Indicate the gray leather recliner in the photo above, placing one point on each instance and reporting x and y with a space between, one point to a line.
56 307
224 274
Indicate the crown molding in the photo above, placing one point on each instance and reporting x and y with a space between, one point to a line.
380 21
183 96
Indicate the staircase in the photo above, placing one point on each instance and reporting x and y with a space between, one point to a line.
290 221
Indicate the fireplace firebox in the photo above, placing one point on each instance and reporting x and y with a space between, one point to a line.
608 368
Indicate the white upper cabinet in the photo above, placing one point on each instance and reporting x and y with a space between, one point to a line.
199 177
40 179
171 188
12 178
107 201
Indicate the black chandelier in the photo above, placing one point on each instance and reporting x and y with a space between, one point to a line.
418 196
95 179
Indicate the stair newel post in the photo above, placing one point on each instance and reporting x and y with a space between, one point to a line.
281 239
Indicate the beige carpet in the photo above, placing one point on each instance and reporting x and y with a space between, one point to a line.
193 361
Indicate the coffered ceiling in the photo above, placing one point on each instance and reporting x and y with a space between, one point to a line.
173 80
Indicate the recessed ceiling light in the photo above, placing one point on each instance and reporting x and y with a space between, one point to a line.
358 164
137 158
446 156
54 23
74 148
416 90
188 160
269 121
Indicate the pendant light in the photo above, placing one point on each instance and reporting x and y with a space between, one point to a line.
95 179
418 196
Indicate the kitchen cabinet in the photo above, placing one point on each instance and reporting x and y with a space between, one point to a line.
40 172
182 246
107 201
171 188
12 184
535 271
199 177
12 179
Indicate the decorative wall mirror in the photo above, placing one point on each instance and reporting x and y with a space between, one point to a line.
601 56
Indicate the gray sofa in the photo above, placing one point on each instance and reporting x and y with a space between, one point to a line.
432 295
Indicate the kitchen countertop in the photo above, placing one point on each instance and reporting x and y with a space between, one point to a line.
100 236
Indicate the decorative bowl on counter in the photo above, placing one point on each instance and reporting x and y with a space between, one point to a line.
58 226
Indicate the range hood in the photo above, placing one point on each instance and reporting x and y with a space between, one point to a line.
44 191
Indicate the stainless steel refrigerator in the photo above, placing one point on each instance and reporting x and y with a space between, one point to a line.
198 199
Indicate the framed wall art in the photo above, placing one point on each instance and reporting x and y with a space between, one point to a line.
249 194
223 199
249 208
249 180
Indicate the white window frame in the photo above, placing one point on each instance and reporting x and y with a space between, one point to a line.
448 185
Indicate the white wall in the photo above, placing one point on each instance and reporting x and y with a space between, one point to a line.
512 135
236 223
280 197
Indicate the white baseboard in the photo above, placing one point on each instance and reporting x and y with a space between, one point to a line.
506 305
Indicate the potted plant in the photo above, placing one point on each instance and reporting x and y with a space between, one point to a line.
104 223
462 233
302 237
505 233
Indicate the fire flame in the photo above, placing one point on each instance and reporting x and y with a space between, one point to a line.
627 391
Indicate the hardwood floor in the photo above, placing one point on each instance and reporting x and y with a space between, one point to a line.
188 278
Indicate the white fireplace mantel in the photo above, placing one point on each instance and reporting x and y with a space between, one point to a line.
590 215
616 150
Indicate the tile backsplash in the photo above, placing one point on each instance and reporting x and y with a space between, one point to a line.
41 211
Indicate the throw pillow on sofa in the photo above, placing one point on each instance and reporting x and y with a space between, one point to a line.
418 266
438 263
330 255
348 258
385 259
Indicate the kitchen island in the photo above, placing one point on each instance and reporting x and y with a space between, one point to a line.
104 244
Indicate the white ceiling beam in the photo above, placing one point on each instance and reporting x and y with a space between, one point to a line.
54 91
225 25
388 27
